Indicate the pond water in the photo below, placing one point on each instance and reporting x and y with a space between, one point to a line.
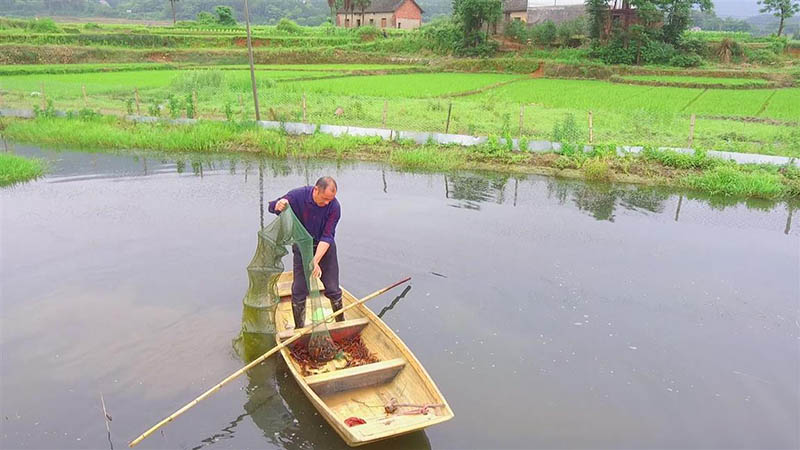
550 313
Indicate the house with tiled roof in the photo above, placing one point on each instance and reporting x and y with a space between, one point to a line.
404 14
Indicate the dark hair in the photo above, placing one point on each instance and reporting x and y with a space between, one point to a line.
326 182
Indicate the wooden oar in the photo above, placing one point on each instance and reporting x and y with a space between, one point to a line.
258 360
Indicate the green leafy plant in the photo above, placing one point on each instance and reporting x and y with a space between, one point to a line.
154 109
190 107
174 106
228 108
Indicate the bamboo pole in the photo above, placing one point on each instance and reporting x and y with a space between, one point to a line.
385 108
44 98
259 360
85 98
521 118
591 128
250 57
304 107
449 109
136 96
691 131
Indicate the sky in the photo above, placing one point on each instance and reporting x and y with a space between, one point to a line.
724 8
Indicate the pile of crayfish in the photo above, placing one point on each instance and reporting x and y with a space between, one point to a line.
348 353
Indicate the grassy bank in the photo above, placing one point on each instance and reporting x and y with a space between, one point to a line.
16 169
694 172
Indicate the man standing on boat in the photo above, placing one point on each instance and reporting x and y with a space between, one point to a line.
318 210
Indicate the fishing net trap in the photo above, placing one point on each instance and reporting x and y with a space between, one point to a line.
258 317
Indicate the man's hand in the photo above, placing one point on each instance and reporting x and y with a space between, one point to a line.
316 271
281 205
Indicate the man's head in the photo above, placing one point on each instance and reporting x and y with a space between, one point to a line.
324 191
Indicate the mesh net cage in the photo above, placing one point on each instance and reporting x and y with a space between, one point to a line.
262 297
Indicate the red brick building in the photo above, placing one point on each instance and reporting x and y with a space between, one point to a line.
405 14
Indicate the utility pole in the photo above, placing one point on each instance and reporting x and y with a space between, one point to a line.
250 55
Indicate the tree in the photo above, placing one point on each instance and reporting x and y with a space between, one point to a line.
172 3
782 9
225 15
471 15
597 11
332 4
676 14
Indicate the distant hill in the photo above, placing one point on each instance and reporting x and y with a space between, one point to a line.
304 12
764 24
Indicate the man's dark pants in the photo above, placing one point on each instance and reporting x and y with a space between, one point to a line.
330 279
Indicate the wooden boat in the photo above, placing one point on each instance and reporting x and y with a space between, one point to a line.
363 392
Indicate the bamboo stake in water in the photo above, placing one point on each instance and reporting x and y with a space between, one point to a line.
259 360
85 99
591 128
304 107
521 118
385 107
691 131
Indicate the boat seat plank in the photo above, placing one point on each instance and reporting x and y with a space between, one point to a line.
355 377
339 331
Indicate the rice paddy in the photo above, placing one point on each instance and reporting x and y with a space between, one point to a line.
733 82
476 103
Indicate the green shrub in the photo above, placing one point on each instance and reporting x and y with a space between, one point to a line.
91 26
206 18
693 44
596 169
686 60
544 33
656 52
442 35
44 25
367 33
517 30
762 56
289 27
225 16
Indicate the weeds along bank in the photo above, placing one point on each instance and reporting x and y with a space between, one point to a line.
695 172
16 169
385 96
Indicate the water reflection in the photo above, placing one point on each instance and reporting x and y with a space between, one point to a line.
468 190
472 189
